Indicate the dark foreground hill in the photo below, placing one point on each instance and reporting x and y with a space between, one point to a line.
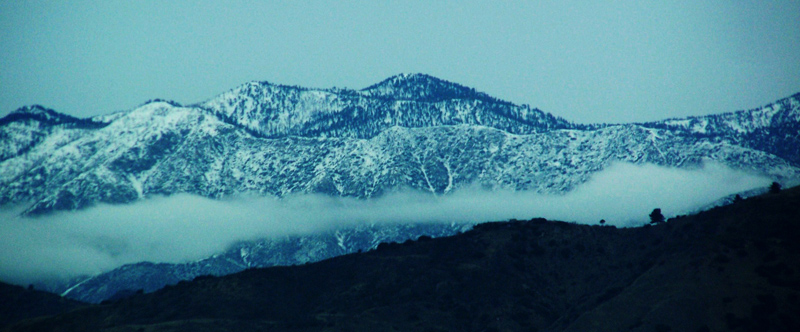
733 268
18 303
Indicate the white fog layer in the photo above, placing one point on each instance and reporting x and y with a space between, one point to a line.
184 227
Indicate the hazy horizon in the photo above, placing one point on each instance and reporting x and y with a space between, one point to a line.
587 62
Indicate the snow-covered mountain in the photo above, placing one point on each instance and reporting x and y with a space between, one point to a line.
409 131
410 101
774 128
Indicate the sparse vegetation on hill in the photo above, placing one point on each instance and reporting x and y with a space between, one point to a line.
732 268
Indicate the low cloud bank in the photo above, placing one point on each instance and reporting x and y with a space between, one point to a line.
185 227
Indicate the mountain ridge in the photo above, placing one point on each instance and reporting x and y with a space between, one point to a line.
117 153
276 111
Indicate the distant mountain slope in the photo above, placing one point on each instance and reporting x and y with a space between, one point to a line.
774 128
290 250
732 268
28 126
410 131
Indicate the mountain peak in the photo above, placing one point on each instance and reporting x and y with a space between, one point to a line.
410 77
35 109
415 78
39 113
421 87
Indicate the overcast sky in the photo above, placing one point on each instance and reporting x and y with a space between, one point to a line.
603 61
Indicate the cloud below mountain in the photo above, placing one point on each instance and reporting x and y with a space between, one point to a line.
185 227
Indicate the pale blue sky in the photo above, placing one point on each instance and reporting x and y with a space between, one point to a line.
587 61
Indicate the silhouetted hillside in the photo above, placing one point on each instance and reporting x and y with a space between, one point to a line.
733 268
18 303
